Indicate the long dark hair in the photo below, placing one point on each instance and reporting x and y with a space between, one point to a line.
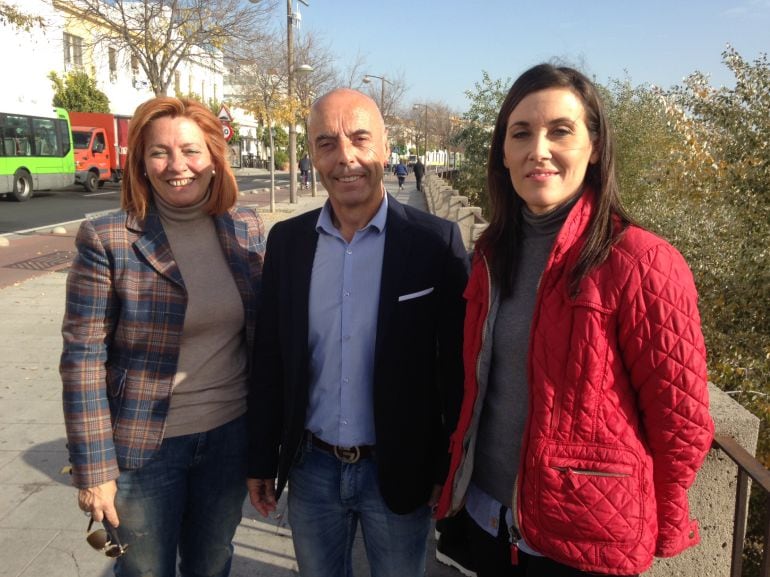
500 241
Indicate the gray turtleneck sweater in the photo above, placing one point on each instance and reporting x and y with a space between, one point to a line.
504 415
210 383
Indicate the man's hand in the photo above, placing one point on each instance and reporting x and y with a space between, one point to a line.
262 495
99 501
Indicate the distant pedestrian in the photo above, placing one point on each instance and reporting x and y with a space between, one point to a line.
419 172
401 171
159 322
304 170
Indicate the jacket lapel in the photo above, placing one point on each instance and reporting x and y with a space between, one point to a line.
398 241
154 246
300 259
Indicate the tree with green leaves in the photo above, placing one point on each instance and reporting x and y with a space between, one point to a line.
77 92
12 15
475 136
724 173
720 174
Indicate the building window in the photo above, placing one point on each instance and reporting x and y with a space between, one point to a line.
134 66
73 50
113 60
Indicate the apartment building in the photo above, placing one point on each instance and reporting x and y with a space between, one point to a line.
69 41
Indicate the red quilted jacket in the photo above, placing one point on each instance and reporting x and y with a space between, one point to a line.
618 419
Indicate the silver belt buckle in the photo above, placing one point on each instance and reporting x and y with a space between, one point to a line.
348 455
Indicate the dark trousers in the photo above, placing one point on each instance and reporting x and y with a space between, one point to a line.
492 556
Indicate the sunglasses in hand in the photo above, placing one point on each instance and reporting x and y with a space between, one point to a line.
105 541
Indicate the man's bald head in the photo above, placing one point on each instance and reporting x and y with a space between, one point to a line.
349 148
347 98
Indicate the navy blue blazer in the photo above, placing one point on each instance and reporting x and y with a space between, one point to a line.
418 353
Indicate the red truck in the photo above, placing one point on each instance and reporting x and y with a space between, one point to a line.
101 145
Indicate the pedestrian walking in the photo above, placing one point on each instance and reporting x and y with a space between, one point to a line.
401 171
304 170
419 172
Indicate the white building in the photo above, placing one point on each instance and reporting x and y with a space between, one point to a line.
67 43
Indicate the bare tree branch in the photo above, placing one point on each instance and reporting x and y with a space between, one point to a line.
160 34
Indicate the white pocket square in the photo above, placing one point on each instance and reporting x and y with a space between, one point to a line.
416 295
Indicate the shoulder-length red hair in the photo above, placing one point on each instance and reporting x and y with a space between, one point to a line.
135 189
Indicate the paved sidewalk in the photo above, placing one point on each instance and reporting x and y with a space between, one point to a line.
42 531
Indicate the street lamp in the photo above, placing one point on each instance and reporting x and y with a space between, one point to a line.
417 107
303 69
383 81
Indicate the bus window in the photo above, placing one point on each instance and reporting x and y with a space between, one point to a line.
45 137
63 136
17 129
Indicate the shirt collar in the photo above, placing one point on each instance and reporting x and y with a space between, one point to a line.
325 224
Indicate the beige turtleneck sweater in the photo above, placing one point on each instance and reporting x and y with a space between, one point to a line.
210 384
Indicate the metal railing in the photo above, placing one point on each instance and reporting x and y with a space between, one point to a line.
748 467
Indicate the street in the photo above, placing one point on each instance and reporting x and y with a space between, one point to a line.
52 207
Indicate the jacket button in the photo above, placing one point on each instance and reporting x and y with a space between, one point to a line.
692 535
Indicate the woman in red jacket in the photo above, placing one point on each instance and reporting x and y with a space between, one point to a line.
585 415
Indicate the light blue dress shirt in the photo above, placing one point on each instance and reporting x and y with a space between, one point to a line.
485 511
344 302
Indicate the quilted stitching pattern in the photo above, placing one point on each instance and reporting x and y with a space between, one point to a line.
618 414
621 366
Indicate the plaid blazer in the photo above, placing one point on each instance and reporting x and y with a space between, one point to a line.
125 309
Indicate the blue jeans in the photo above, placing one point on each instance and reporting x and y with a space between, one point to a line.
327 500
187 500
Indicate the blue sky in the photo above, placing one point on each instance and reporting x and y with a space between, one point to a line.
441 47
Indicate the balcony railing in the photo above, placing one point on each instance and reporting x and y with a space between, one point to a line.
748 467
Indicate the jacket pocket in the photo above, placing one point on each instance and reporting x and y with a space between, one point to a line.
116 381
590 497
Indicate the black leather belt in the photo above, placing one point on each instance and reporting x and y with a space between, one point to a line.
345 454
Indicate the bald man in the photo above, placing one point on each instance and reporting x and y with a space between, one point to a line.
358 364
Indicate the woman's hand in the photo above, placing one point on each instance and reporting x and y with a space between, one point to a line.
99 501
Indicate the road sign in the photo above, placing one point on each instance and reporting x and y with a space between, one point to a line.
224 114
227 130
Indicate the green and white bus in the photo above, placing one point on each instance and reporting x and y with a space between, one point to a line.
36 152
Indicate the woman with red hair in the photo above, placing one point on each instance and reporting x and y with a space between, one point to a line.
159 321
